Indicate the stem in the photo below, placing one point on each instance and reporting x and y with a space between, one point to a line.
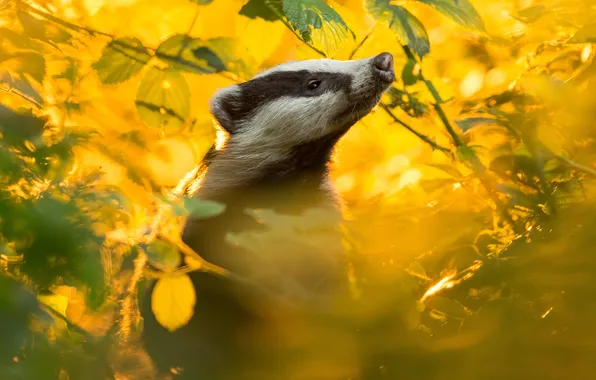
300 37
353 53
438 101
577 166
424 138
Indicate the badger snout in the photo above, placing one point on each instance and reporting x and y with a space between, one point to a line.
383 66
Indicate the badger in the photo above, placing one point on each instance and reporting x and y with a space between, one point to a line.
282 127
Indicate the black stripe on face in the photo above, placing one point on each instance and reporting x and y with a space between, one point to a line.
262 90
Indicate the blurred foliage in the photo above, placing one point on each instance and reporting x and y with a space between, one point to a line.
469 191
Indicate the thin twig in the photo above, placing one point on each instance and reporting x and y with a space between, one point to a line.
424 138
438 100
577 166
353 53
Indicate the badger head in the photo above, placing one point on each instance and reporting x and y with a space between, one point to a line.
289 117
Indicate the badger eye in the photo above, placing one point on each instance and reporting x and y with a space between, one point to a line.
313 84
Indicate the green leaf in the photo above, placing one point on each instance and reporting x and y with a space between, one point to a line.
223 54
31 63
473 122
587 34
163 99
200 208
202 2
317 23
460 11
163 255
121 59
178 52
41 29
407 27
407 74
468 155
259 9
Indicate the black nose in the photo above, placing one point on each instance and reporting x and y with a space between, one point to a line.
384 64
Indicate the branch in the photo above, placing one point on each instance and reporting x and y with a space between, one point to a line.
424 138
577 166
438 101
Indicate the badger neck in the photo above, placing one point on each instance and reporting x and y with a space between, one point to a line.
298 173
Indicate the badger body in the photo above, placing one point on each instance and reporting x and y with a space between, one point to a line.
282 127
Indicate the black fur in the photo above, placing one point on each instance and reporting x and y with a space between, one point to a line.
260 91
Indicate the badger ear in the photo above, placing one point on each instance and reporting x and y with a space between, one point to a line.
222 106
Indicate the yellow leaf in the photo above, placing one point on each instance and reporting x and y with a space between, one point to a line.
55 301
173 301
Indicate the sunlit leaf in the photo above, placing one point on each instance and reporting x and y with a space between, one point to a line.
317 23
460 11
259 9
163 99
447 306
587 34
416 270
407 27
121 59
532 13
41 29
57 302
183 52
31 63
173 301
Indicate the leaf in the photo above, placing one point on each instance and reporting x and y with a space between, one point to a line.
41 29
467 155
23 87
56 301
587 34
8 251
460 11
200 208
407 27
28 62
173 301
163 255
317 23
447 306
121 59
202 2
407 74
163 99
448 169
473 122
416 270
532 13
259 9
178 52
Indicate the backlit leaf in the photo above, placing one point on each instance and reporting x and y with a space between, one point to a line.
121 59
259 9
587 34
460 11
317 23
473 122
408 28
163 99
447 306
163 255
173 301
